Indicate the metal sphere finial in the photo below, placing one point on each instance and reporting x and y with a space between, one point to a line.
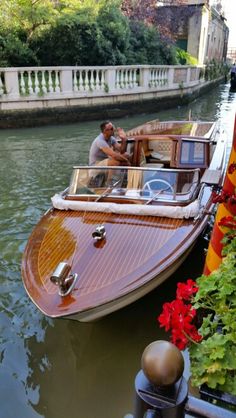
162 363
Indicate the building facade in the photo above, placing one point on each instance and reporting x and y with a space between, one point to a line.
201 29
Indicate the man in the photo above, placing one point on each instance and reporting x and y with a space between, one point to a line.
105 150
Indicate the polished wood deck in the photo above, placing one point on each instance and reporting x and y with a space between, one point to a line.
136 249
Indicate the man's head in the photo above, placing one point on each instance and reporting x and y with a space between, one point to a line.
107 129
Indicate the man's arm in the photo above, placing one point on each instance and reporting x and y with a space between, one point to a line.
116 155
121 147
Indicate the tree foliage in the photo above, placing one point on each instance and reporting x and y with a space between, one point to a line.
29 15
146 46
82 32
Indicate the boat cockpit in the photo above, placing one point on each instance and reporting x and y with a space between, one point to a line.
167 167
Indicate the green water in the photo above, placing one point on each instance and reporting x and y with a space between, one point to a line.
57 368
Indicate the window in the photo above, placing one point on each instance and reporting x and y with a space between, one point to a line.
192 154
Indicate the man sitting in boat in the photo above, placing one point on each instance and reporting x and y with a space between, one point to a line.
105 150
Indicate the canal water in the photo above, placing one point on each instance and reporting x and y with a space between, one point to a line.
57 368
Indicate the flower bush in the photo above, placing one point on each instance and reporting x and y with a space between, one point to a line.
202 318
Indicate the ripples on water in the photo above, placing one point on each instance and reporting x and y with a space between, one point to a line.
52 368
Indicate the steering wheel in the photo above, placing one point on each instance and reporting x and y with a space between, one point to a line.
147 185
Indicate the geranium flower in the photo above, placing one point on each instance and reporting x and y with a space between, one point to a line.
186 290
177 317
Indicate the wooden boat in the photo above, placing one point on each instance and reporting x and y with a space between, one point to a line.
116 233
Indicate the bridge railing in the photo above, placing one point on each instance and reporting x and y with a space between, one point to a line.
50 82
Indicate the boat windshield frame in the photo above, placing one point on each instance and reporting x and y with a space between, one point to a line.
141 184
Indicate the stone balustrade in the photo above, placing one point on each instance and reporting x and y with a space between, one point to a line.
35 83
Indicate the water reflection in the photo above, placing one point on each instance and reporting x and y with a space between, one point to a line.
50 368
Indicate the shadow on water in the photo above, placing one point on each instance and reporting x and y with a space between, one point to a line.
57 368
93 366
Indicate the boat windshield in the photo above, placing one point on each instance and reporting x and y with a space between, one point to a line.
140 183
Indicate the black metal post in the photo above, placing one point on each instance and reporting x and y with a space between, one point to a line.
158 401
162 391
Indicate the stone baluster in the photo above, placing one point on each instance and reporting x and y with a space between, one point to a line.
102 81
162 77
36 82
159 77
151 77
131 81
89 82
57 82
43 82
136 71
117 82
93 80
122 79
132 78
127 79
50 82
1 84
123 72
156 75
82 79
30 84
166 76
98 81
86 81
22 83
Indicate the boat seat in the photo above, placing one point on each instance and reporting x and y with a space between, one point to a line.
160 150
98 180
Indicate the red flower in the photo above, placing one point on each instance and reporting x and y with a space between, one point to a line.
177 316
228 221
186 290
165 317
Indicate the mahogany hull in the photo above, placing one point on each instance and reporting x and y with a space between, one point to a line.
138 254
